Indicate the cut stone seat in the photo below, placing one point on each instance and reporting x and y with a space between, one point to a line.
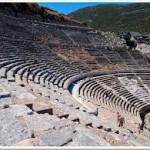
33 69
26 74
121 90
7 62
115 102
3 59
24 69
5 69
48 78
121 103
136 103
19 73
43 78
140 104
103 95
51 86
59 82
132 98
99 99
55 87
37 71
51 71
88 83
52 80
4 95
87 90
96 89
82 88
5 53
127 107
96 94
62 82
132 109
11 73
8 57
58 79
92 91
53 77
39 74
37 65
91 86
125 94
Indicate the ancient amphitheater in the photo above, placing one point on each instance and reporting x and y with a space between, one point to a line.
53 77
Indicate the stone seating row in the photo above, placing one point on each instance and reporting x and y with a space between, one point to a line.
106 98
16 68
31 30
121 89
107 91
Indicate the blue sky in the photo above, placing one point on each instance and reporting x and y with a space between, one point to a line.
66 8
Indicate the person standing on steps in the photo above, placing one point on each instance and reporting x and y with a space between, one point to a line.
121 121
140 128
118 117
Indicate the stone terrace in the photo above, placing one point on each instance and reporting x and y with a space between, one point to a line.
52 79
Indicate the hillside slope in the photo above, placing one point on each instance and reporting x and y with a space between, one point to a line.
35 12
116 17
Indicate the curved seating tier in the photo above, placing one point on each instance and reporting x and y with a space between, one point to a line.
124 92
28 54
45 67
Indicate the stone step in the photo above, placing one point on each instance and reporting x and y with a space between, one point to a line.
4 94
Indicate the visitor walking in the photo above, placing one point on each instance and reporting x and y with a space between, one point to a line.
140 128
118 117
121 121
